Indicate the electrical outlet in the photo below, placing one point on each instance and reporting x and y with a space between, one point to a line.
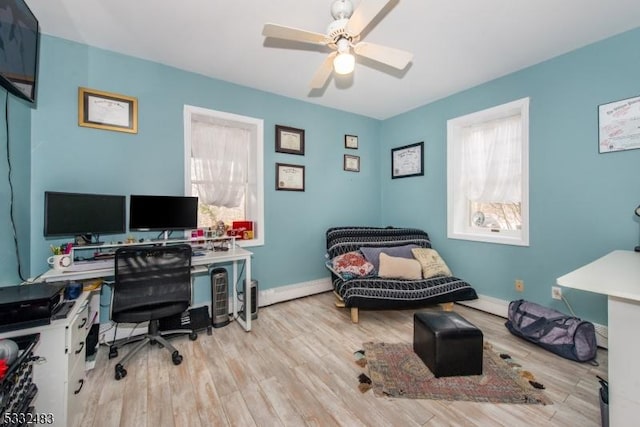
556 292
519 285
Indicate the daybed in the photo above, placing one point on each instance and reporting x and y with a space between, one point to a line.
363 287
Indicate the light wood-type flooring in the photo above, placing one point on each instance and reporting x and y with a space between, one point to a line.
296 368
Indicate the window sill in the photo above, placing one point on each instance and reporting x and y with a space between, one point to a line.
492 238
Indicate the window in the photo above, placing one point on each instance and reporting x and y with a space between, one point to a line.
223 167
488 175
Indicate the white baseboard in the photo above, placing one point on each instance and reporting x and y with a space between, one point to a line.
297 290
488 304
500 308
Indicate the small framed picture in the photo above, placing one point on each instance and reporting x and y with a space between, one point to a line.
351 141
617 125
407 161
106 110
351 163
289 177
289 140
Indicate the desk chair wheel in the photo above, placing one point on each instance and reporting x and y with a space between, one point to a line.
113 352
175 357
120 372
193 336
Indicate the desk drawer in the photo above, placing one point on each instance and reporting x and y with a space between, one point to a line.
76 395
77 334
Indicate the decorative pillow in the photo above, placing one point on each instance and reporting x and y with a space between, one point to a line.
392 267
372 254
431 262
350 265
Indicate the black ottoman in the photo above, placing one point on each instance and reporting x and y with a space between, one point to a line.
447 343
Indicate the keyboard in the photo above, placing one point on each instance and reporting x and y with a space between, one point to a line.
90 265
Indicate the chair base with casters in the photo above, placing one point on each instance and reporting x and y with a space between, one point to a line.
152 337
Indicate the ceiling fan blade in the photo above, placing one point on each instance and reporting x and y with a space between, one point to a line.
395 58
364 14
324 72
294 34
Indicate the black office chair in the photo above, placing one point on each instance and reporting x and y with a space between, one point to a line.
151 283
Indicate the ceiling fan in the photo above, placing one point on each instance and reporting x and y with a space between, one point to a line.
343 36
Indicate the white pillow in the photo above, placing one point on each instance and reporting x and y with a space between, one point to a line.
392 267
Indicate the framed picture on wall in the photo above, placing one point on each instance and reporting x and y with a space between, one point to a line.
407 161
289 140
351 141
351 163
108 111
618 128
289 177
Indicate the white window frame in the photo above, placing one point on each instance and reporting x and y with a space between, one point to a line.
256 127
457 208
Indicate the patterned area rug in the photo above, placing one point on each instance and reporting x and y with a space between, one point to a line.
396 371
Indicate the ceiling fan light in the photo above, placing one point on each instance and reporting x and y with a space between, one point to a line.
344 63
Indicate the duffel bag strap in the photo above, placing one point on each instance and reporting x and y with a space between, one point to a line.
543 325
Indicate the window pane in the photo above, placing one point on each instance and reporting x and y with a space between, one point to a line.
495 216
209 215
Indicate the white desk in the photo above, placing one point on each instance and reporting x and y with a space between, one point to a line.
617 275
233 255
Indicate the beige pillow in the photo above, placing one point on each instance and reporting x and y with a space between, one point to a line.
392 267
431 262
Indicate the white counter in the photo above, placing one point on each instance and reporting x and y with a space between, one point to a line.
617 275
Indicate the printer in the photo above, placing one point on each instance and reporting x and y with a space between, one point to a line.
25 306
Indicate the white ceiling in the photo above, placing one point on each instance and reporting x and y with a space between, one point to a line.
457 44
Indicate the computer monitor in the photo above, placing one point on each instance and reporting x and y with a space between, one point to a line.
162 213
78 214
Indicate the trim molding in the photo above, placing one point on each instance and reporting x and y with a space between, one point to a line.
296 290
488 304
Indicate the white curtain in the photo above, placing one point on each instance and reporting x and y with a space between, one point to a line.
219 163
492 161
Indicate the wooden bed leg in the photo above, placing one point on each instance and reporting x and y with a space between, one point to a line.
340 303
447 306
339 300
354 314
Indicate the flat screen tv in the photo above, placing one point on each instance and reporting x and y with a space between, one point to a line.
19 43
78 214
162 213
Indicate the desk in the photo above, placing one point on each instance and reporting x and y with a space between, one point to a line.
617 275
199 264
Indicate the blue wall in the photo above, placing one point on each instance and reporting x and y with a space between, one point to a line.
581 202
66 157
18 127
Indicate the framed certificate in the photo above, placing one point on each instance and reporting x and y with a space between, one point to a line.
351 141
106 110
407 161
619 125
289 140
289 177
351 163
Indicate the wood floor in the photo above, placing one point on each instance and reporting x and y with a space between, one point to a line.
296 368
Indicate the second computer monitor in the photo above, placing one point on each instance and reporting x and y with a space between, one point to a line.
162 213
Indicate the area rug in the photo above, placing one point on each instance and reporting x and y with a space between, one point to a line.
396 371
